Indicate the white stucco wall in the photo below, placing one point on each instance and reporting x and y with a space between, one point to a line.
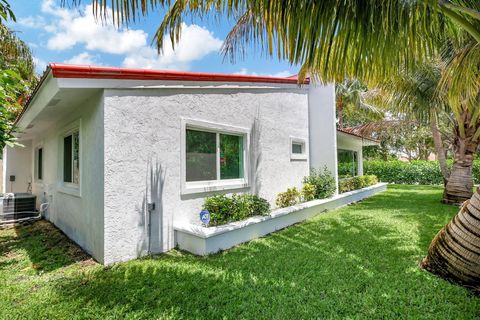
17 162
142 135
80 215
323 142
349 142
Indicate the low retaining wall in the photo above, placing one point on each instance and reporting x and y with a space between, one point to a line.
201 240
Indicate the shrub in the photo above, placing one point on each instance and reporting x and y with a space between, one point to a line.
308 192
323 181
413 172
356 183
288 198
370 179
224 209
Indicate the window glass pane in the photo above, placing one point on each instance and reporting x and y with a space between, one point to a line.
347 163
231 156
201 153
67 159
297 148
76 157
40 164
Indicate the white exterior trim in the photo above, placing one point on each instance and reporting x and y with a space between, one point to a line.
299 156
66 187
214 185
35 148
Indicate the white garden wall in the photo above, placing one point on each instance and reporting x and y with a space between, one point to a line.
201 240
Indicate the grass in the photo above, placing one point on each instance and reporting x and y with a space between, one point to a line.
356 262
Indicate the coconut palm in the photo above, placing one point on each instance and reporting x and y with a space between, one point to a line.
416 96
366 39
352 94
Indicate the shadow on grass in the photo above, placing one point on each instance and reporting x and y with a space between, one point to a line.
356 262
47 247
360 261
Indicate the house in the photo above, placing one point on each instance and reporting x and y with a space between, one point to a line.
122 155
350 151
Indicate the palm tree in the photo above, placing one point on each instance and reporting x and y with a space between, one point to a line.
352 94
416 95
366 39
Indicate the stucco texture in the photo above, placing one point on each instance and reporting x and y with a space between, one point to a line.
143 156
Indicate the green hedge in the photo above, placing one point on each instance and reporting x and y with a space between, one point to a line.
413 172
355 183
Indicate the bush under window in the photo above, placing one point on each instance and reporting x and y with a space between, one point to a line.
323 181
355 183
224 209
288 198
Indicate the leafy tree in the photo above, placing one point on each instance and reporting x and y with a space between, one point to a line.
17 75
12 87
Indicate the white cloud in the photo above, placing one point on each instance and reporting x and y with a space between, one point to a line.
81 27
196 42
70 28
243 72
82 58
280 74
32 22
40 65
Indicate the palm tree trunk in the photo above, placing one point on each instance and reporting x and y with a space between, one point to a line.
439 149
454 253
340 112
460 183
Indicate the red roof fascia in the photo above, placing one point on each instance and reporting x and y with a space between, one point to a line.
93 72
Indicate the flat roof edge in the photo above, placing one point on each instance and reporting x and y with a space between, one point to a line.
98 72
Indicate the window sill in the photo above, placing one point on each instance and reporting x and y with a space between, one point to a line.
70 190
298 157
204 186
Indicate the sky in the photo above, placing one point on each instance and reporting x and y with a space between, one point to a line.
73 35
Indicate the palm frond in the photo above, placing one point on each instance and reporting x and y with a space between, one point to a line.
365 39
14 53
414 95
6 12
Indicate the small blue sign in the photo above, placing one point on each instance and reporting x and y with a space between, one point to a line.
205 216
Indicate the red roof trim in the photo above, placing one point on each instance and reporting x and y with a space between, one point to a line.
93 72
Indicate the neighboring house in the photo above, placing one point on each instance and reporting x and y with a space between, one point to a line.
120 154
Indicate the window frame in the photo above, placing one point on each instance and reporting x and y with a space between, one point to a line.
354 156
70 188
298 156
36 168
191 187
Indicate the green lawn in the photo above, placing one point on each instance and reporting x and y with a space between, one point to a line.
356 262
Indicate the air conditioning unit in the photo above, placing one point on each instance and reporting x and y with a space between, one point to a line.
15 206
